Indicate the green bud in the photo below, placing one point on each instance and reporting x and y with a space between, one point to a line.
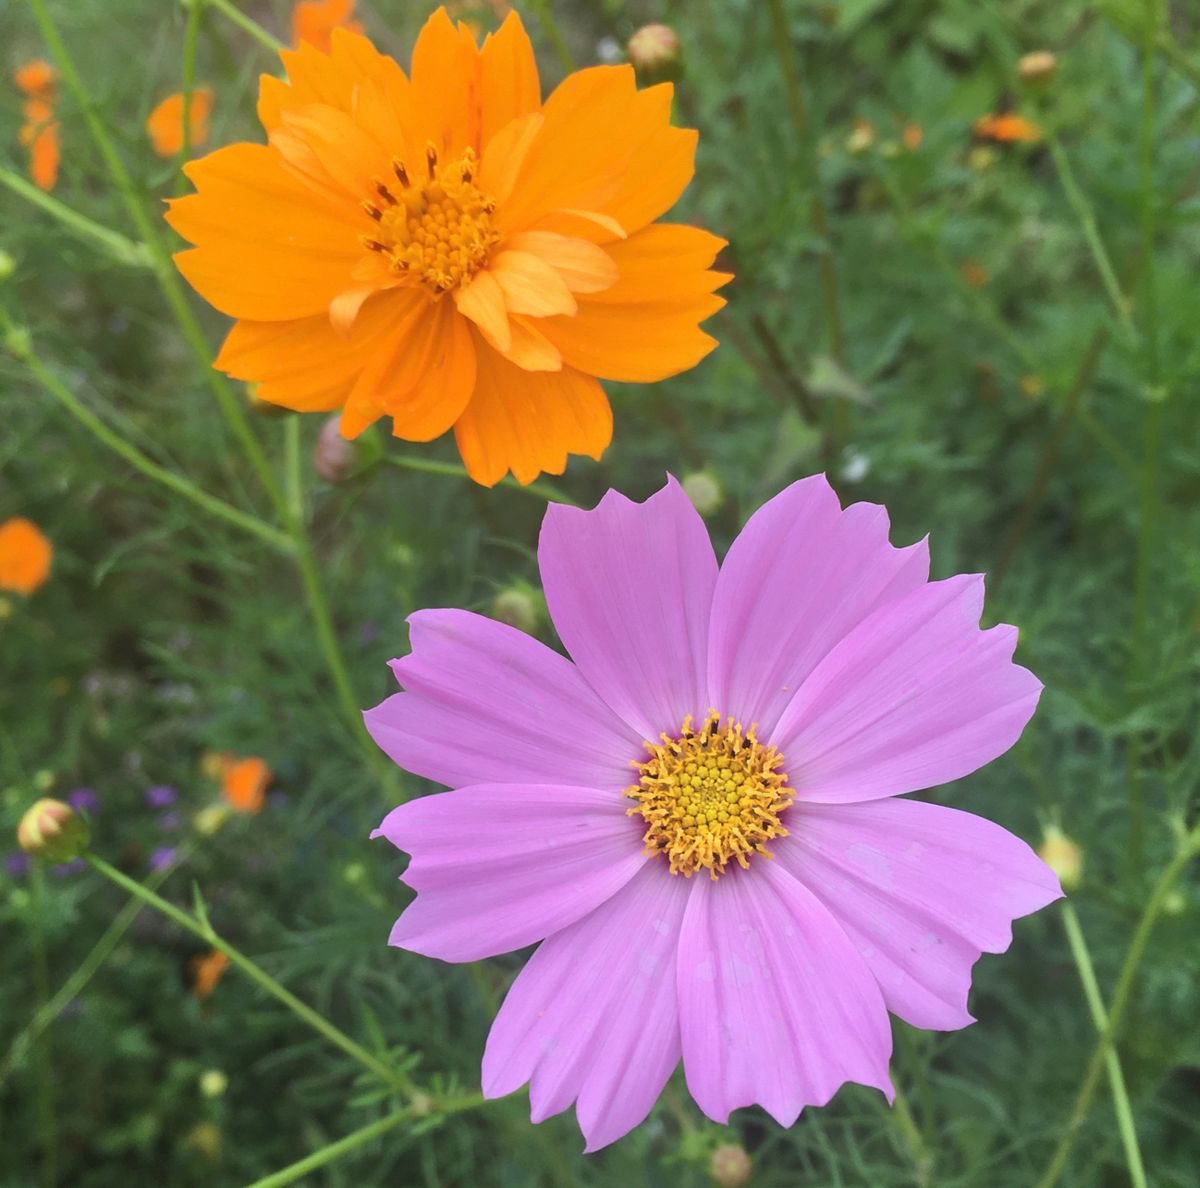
53 831
519 607
703 489
7 265
730 1166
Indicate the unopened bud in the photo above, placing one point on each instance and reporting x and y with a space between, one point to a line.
7 265
53 831
1062 856
1174 903
333 459
654 50
730 1166
518 607
703 489
208 820
861 137
1037 68
213 1082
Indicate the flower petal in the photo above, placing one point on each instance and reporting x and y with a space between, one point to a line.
497 867
592 1018
583 266
630 586
482 300
531 286
508 77
486 703
799 577
776 1007
914 696
921 890
445 83
529 421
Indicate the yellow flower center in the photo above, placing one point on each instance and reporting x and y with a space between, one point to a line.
710 796
437 227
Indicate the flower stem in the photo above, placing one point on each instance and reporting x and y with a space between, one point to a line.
121 249
540 490
191 38
392 1077
330 1152
554 34
243 22
119 445
45 1069
1116 1078
1188 849
826 268
73 986
911 1134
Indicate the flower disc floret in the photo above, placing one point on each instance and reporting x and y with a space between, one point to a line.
710 796
437 229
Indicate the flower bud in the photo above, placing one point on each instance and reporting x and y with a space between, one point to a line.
7 265
53 831
730 1166
208 820
703 489
654 50
861 137
518 606
333 459
213 1082
1037 68
1062 856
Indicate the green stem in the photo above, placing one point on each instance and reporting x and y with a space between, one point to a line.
378 1068
1125 980
121 249
293 487
45 1061
1116 1078
327 1154
539 490
911 1134
155 243
554 34
243 22
73 986
191 39
826 268
1091 234
115 442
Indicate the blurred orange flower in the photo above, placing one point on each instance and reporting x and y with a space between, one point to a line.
165 123
36 79
25 556
913 136
244 783
974 274
315 20
207 970
1004 129
450 251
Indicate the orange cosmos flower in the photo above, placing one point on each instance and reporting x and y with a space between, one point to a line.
244 783
25 556
1007 128
165 123
207 970
449 250
315 20
36 79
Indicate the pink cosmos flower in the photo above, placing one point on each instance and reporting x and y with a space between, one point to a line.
699 816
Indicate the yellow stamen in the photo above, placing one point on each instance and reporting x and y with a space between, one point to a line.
438 230
710 796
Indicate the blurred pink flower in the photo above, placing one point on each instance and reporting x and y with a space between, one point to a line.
745 890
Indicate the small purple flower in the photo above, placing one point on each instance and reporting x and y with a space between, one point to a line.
170 822
161 796
163 856
64 870
17 865
703 815
84 800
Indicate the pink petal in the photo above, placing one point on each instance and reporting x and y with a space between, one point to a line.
497 866
592 1017
776 1007
921 890
629 588
486 703
800 576
914 696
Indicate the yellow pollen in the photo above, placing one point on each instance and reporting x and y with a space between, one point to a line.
710 796
438 229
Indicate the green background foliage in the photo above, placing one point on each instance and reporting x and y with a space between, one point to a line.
1042 426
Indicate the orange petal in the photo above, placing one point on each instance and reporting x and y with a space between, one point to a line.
44 155
584 267
25 556
646 326
509 85
483 302
315 20
531 286
528 422
445 79
331 149
505 155
267 247
530 349
164 125
35 78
